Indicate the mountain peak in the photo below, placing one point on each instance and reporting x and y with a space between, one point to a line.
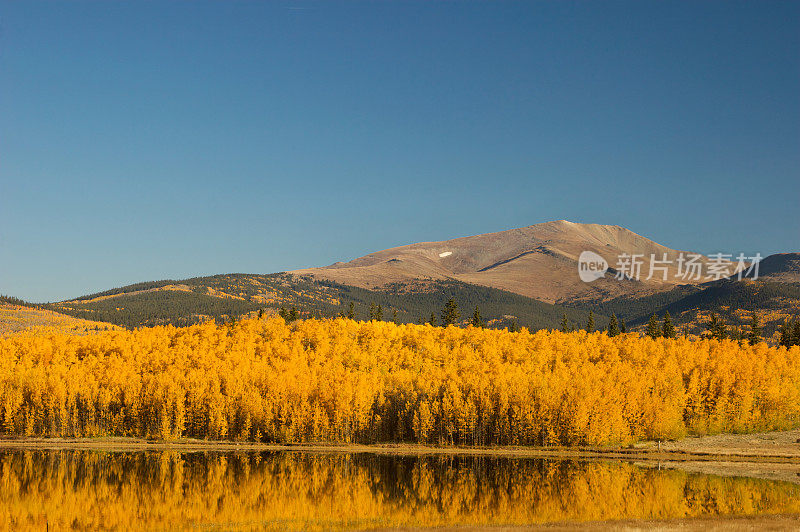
539 261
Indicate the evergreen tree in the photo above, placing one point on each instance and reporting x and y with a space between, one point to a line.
716 327
450 313
294 314
796 333
653 330
622 327
476 321
564 323
260 313
786 334
713 325
668 329
514 326
379 313
755 330
432 321
613 327
394 316
351 311
371 311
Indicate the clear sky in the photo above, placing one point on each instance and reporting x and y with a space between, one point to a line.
155 140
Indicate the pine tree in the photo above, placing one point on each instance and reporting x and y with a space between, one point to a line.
351 311
613 328
450 313
786 334
432 321
590 322
294 314
477 321
514 326
653 330
622 327
796 333
564 323
755 330
260 313
668 329
394 316
379 313
716 327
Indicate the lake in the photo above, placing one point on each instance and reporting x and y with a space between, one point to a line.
300 490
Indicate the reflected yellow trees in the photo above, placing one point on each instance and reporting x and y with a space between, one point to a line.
347 381
126 491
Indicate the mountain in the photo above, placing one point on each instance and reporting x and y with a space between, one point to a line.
538 261
528 275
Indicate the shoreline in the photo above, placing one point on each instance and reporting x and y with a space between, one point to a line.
738 448
773 456
727 523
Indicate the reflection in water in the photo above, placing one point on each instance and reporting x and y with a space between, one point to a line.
300 490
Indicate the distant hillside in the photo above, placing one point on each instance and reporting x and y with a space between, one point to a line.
732 300
774 296
735 301
781 267
228 296
639 309
16 318
156 307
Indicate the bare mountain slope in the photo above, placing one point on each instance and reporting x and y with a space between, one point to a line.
538 261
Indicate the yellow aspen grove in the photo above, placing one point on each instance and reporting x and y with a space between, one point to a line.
342 380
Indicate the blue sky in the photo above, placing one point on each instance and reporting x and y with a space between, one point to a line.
153 140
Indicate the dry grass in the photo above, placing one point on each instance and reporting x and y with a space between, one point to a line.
705 524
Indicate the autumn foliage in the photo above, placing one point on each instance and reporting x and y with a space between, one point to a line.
347 381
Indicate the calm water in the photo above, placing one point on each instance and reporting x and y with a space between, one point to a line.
325 491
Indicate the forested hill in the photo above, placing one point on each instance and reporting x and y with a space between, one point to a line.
733 301
230 296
